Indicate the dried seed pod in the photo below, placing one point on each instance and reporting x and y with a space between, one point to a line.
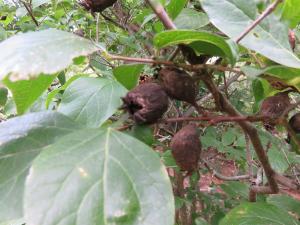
186 148
79 32
96 5
146 103
294 122
273 107
179 84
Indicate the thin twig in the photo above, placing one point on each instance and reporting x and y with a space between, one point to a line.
97 28
29 10
249 157
267 12
222 177
205 98
217 119
187 67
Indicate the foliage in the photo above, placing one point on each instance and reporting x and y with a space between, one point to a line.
70 155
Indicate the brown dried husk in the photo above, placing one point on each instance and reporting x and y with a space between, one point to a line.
179 84
146 103
186 148
294 122
96 5
273 107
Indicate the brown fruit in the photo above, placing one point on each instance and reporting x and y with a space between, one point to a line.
294 122
179 84
96 5
79 32
273 107
186 148
146 103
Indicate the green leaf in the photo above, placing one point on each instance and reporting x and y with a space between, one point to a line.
3 96
258 214
48 51
269 40
289 76
22 139
277 152
3 34
201 41
26 92
98 177
128 75
175 7
229 137
291 12
53 93
91 101
201 221
285 202
143 133
168 159
191 19
235 189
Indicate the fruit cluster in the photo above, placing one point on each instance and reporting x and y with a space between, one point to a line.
147 103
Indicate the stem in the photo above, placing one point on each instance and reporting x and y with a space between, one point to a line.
223 103
29 10
161 14
217 119
187 67
222 177
267 12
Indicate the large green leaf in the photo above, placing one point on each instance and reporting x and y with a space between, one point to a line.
289 76
128 75
91 101
285 202
97 177
47 51
26 92
202 42
269 38
56 91
22 139
258 214
191 19
291 12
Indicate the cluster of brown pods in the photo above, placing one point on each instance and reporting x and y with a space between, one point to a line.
147 103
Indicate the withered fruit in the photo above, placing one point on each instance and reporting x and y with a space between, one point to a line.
273 107
179 84
96 5
294 122
146 103
79 32
186 148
